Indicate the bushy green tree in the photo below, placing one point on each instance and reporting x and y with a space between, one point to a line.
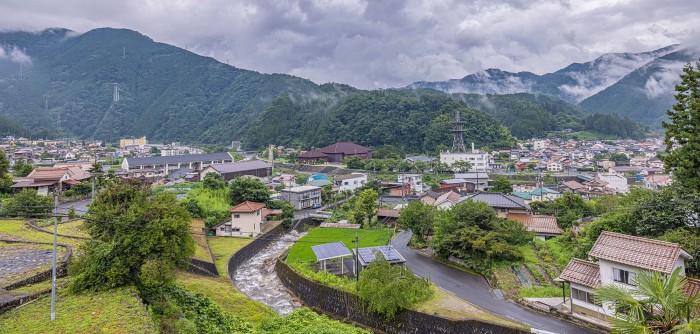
136 239
502 185
22 169
213 181
470 231
27 203
387 288
461 166
354 163
248 189
683 131
417 217
365 206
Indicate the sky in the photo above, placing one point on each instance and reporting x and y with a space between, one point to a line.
380 43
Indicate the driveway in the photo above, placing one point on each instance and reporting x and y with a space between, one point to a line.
474 289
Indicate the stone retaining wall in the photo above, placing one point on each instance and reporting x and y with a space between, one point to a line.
204 268
61 267
345 305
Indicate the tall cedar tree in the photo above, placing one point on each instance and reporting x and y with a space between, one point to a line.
683 131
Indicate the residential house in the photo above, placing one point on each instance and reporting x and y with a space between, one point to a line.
656 163
232 170
479 160
47 180
350 182
503 204
302 197
554 166
639 161
336 153
538 194
288 180
619 258
545 227
396 189
657 181
247 219
447 200
415 181
388 216
429 197
416 158
474 180
614 182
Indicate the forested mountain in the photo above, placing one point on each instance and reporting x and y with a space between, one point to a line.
60 82
645 94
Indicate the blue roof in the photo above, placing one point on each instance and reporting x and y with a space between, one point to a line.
319 180
543 190
522 194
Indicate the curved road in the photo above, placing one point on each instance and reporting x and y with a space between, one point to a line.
474 289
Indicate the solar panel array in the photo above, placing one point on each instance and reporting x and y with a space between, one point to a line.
330 251
389 253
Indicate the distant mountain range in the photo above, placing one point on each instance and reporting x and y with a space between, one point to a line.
637 85
60 83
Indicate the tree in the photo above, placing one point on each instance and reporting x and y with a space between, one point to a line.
656 304
388 288
213 181
354 163
501 185
327 194
683 131
417 217
420 166
136 239
461 166
248 189
365 205
28 203
5 178
22 169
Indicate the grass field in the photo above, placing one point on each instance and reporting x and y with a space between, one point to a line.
201 251
113 311
222 291
18 230
223 248
71 228
301 250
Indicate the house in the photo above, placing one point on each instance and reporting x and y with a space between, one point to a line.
606 164
47 180
232 170
459 184
474 180
416 158
545 227
395 189
288 180
619 258
350 182
657 181
639 161
146 174
429 197
614 182
175 162
140 142
247 219
503 204
538 194
336 153
447 200
655 162
479 160
415 181
388 216
554 166
302 197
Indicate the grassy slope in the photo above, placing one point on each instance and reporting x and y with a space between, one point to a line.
223 248
18 230
201 251
113 311
301 251
225 294
72 228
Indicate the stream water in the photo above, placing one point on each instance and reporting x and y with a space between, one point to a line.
257 279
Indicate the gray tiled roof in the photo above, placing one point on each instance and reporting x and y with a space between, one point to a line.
240 166
173 159
498 200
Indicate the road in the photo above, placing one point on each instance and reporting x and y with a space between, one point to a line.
80 206
474 289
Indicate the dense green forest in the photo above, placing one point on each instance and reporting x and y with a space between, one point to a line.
170 94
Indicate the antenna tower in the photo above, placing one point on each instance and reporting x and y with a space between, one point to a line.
457 137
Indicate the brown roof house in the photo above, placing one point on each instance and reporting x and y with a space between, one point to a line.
247 219
619 258
336 153
47 180
545 227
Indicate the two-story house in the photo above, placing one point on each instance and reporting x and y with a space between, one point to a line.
350 181
247 219
302 197
415 181
619 258
503 204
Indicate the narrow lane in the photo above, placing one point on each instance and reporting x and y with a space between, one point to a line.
474 289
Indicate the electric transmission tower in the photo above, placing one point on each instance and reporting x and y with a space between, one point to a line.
457 137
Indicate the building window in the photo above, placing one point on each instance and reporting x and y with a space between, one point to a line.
623 276
236 229
584 296
228 229
257 212
236 216
221 228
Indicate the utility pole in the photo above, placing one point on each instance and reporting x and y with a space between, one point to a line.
93 176
357 257
53 271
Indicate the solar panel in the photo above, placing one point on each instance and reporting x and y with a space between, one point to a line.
330 251
366 255
389 253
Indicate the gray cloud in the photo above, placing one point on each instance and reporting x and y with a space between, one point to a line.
381 43
14 54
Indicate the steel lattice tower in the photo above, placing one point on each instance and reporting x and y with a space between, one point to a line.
457 131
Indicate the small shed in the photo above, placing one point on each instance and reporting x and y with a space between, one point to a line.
331 251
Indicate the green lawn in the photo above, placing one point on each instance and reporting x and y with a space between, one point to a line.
18 230
222 291
223 248
73 228
301 250
201 252
114 311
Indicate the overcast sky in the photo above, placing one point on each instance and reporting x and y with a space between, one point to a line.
370 44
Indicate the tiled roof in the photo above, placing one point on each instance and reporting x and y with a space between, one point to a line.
573 185
346 148
173 159
246 207
638 252
581 272
388 213
47 173
692 287
537 223
498 200
312 154
449 196
240 166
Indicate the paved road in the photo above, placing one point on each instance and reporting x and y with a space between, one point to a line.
474 289
80 206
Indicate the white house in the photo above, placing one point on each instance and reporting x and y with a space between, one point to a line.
478 160
247 219
614 182
414 180
554 166
620 258
350 181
